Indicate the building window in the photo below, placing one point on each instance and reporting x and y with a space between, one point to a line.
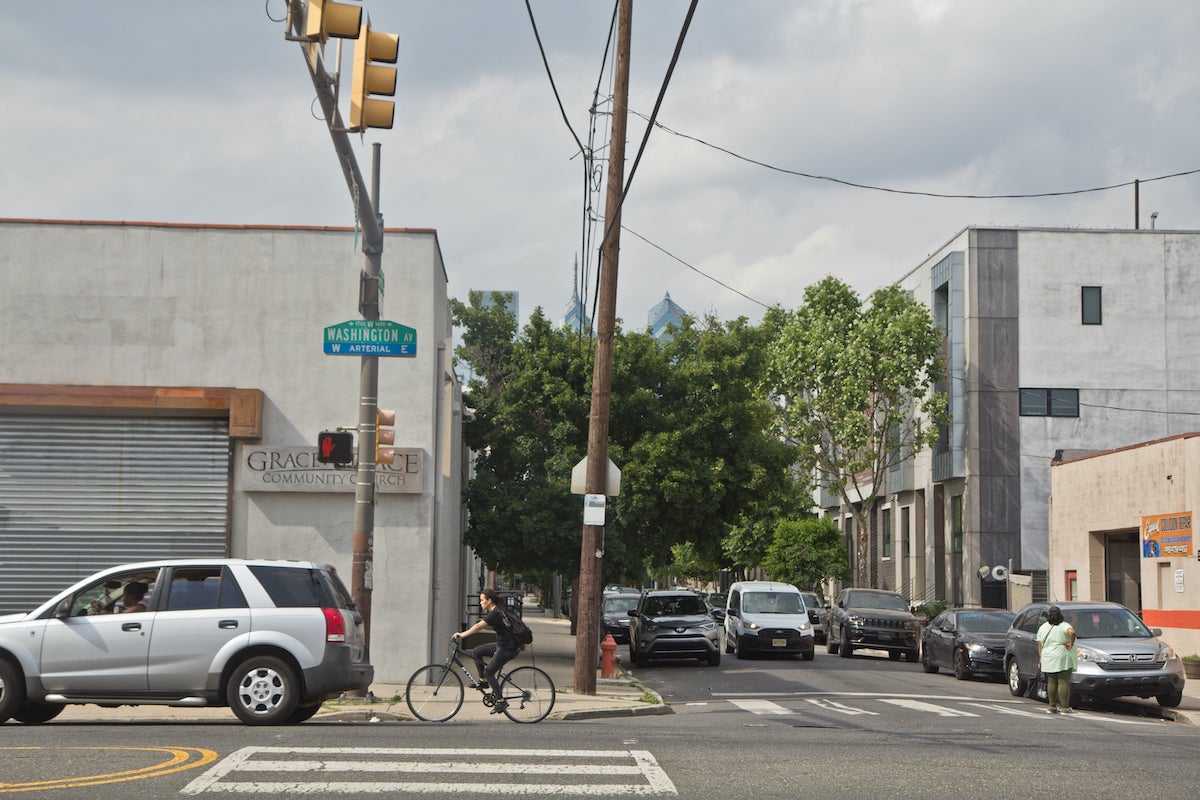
905 533
956 523
1072 584
1049 402
1092 310
887 533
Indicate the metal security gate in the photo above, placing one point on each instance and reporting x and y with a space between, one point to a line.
78 494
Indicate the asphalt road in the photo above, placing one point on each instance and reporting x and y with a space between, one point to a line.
761 728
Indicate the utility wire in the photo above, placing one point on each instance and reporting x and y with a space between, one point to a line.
692 268
550 75
947 196
646 137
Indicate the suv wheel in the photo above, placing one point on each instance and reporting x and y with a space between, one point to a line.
12 690
1171 699
263 691
714 658
1016 684
37 713
961 671
845 649
638 659
739 649
830 647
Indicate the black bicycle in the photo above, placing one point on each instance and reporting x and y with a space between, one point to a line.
435 691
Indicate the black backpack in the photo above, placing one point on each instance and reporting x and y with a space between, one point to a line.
518 627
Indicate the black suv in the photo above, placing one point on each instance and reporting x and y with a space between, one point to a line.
673 624
873 619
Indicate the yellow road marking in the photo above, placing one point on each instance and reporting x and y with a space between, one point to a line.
180 760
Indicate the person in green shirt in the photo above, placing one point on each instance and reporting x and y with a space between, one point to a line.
1056 648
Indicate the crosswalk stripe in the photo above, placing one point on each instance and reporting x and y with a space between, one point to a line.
761 707
830 705
918 705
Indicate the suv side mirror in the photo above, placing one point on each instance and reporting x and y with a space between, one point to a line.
733 612
633 612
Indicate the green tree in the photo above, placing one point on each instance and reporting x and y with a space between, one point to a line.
855 385
712 458
807 553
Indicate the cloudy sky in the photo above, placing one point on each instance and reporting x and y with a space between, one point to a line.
203 113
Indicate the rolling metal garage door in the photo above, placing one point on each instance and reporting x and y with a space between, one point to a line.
78 494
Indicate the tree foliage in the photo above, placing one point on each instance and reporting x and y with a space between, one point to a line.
807 553
854 384
688 427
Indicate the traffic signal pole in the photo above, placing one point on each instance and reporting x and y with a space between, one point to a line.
587 628
370 221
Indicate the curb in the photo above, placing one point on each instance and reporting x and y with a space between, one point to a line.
599 713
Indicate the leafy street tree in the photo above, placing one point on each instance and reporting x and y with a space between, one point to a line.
688 427
711 462
854 384
807 553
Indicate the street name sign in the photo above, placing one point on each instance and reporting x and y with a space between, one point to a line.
370 337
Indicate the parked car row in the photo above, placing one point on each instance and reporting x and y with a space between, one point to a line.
1118 655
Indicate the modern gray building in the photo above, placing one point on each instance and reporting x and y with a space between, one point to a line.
1058 343
163 389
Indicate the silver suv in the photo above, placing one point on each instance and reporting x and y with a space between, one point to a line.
269 639
673 624
1118 655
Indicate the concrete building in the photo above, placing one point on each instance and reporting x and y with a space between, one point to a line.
1121 529
163 390
1057 342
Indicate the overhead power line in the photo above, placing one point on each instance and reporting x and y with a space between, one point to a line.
913 192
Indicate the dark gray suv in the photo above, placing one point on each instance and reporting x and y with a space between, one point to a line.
873 619
1118 656
269 639
673 624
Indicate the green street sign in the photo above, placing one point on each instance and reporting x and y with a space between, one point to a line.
370 337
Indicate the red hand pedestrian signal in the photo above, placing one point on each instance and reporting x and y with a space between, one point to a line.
335 447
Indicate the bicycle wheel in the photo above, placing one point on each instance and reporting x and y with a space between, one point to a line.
434 693
530 694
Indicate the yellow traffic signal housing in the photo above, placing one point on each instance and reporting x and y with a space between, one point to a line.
327 18
369 78
385 434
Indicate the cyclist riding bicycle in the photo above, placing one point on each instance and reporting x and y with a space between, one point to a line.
501 651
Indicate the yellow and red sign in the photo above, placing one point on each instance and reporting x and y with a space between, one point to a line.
1167 535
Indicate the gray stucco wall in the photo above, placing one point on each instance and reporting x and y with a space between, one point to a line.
177 305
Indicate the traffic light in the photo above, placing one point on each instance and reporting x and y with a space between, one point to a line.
327 18
385 434
369 78
335 447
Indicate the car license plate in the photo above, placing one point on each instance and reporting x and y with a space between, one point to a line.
779 642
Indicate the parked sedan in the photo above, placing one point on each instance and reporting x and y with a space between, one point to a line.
969 641
614 614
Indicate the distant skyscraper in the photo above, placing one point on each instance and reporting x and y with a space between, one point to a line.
512 301
576 317
667 312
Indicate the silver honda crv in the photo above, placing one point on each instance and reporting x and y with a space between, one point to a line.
269 639
1118 655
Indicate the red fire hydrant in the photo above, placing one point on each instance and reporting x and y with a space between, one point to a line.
608 657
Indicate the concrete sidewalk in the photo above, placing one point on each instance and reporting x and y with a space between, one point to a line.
553 650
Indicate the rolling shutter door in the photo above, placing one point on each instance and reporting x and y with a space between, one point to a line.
78 494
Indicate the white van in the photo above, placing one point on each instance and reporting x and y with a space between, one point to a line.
767 617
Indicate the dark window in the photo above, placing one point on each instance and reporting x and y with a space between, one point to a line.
887 533
1049 402
290 587
905 533
1092 309
956 523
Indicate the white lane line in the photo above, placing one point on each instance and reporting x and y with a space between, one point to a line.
1016 712
830 705
761 707
462 761
932 708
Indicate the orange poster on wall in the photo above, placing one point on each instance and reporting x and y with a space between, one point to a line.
1167 535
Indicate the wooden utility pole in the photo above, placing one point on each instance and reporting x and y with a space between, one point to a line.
587 628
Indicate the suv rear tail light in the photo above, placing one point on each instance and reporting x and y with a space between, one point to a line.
335 625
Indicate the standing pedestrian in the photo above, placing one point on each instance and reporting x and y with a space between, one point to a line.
1056 649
